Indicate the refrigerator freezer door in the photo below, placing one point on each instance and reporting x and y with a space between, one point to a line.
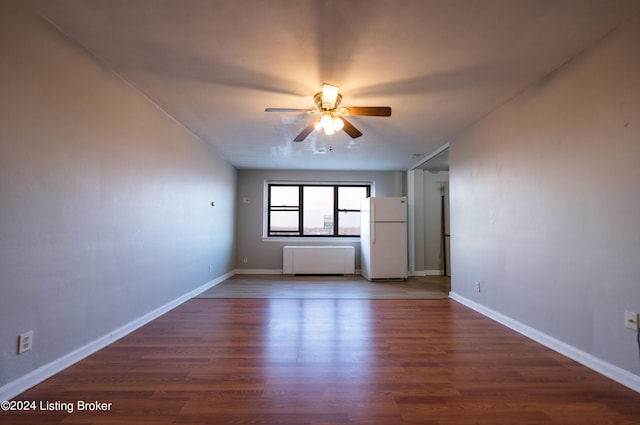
388 209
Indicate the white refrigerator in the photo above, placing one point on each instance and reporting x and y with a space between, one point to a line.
383 238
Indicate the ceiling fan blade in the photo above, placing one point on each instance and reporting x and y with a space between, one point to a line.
371 111
304 133
287 110
351 130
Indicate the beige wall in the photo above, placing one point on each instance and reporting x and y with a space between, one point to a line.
105 209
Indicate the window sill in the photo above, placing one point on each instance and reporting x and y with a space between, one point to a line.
296 239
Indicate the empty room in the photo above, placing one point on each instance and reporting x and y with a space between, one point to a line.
319 212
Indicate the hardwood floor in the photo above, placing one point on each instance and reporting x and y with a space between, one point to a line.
329 361
335 287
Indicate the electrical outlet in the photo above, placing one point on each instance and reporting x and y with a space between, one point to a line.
210 268
245 260
477 286
25 342
631 320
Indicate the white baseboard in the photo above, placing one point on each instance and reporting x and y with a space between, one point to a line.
275 271
607 369
20 385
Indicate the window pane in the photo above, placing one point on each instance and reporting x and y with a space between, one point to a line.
318 210
284 221
349 223
284 195
349 197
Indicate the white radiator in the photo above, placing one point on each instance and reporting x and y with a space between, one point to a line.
318 260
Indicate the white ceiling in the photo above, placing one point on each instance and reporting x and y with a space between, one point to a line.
215 65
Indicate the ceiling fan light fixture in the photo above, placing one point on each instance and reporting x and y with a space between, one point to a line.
329 131
329 96
326 121
338 124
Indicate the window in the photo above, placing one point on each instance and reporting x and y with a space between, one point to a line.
315 210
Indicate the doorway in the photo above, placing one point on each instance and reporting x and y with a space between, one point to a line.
430 252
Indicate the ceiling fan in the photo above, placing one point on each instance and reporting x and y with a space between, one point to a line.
332 117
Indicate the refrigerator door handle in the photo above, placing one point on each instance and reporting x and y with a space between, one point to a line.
373 212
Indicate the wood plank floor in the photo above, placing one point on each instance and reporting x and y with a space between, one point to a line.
335 287
329 361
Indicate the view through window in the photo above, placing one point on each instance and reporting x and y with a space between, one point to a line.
315 210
